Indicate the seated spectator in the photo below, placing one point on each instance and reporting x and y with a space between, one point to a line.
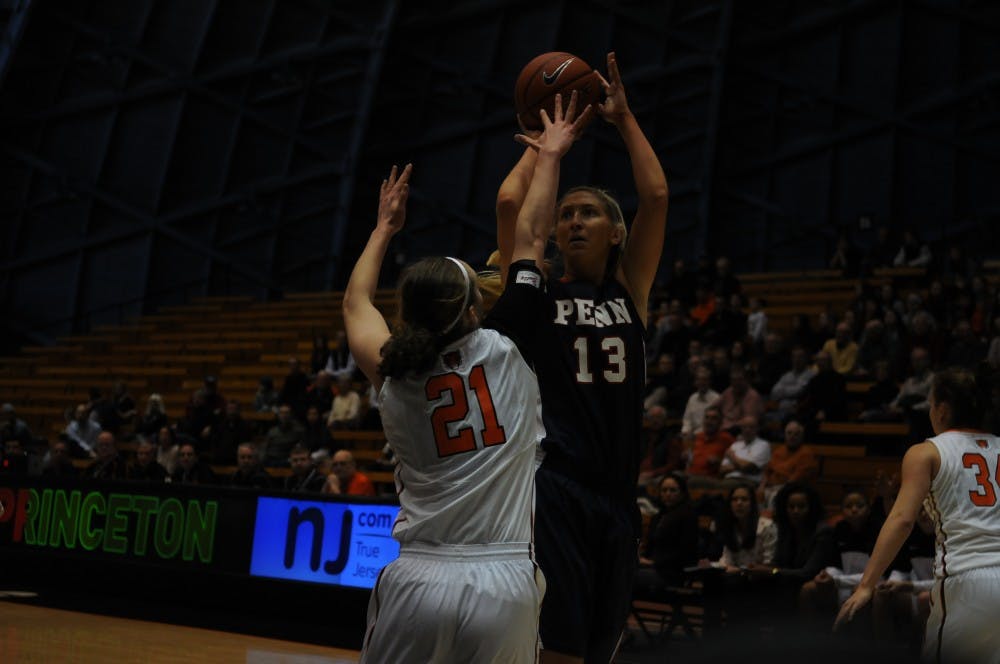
346 410
854 536
747 457
938 303
724 325
663 387
83 432
726 283
249 472
842 350
747 537
825 396
145 467
191 470
739 400
792 462
805 543
772 364
13 428
305 476
316 435
703 307
198 420
102 410
757 322
720 366
681 284
350 481
321 392
672 542
966 350
58 462
320 354
923 333
341 364
883 251
228 434
659 452
123 404
266 398
167 449
214 401
293 390
875 346
282 437
674 337
846 257
914 391
879 396
913 252
803 334
792 384
703 397
153 418
14 459
107 465
709 449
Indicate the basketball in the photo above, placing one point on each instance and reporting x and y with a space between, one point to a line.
552 73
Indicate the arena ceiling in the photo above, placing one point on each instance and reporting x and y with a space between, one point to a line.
155 150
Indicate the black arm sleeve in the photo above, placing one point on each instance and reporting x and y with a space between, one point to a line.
521 308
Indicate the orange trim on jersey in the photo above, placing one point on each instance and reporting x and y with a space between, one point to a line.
944 571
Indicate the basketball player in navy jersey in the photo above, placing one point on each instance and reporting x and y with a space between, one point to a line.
589 357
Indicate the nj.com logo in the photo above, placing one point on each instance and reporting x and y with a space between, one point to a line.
322 542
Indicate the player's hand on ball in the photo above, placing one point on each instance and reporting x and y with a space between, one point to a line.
559 132
854 603
615 106
392 199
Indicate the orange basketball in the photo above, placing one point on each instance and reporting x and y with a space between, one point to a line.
552 73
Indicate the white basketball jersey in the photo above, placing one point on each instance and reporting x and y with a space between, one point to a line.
465 436
963 502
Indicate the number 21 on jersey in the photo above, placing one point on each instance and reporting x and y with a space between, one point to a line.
464 439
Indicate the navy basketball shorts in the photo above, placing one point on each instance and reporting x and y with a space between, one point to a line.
586 544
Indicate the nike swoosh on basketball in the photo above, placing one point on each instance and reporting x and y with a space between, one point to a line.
549 79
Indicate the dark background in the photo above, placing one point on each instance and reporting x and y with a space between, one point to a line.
156 150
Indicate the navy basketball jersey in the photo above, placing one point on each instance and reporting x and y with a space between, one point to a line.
588 352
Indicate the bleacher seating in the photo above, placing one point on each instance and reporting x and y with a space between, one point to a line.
240 340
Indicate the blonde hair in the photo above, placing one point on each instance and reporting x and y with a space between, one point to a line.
614 212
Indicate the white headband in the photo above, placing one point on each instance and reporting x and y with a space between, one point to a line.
468 292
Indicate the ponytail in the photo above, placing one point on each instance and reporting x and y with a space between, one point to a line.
434 295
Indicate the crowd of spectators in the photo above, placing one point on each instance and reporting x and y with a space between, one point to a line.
293 429
735 406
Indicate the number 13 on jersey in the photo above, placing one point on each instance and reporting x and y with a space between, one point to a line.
464 439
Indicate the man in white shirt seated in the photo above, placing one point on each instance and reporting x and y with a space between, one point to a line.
703 397
745 459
